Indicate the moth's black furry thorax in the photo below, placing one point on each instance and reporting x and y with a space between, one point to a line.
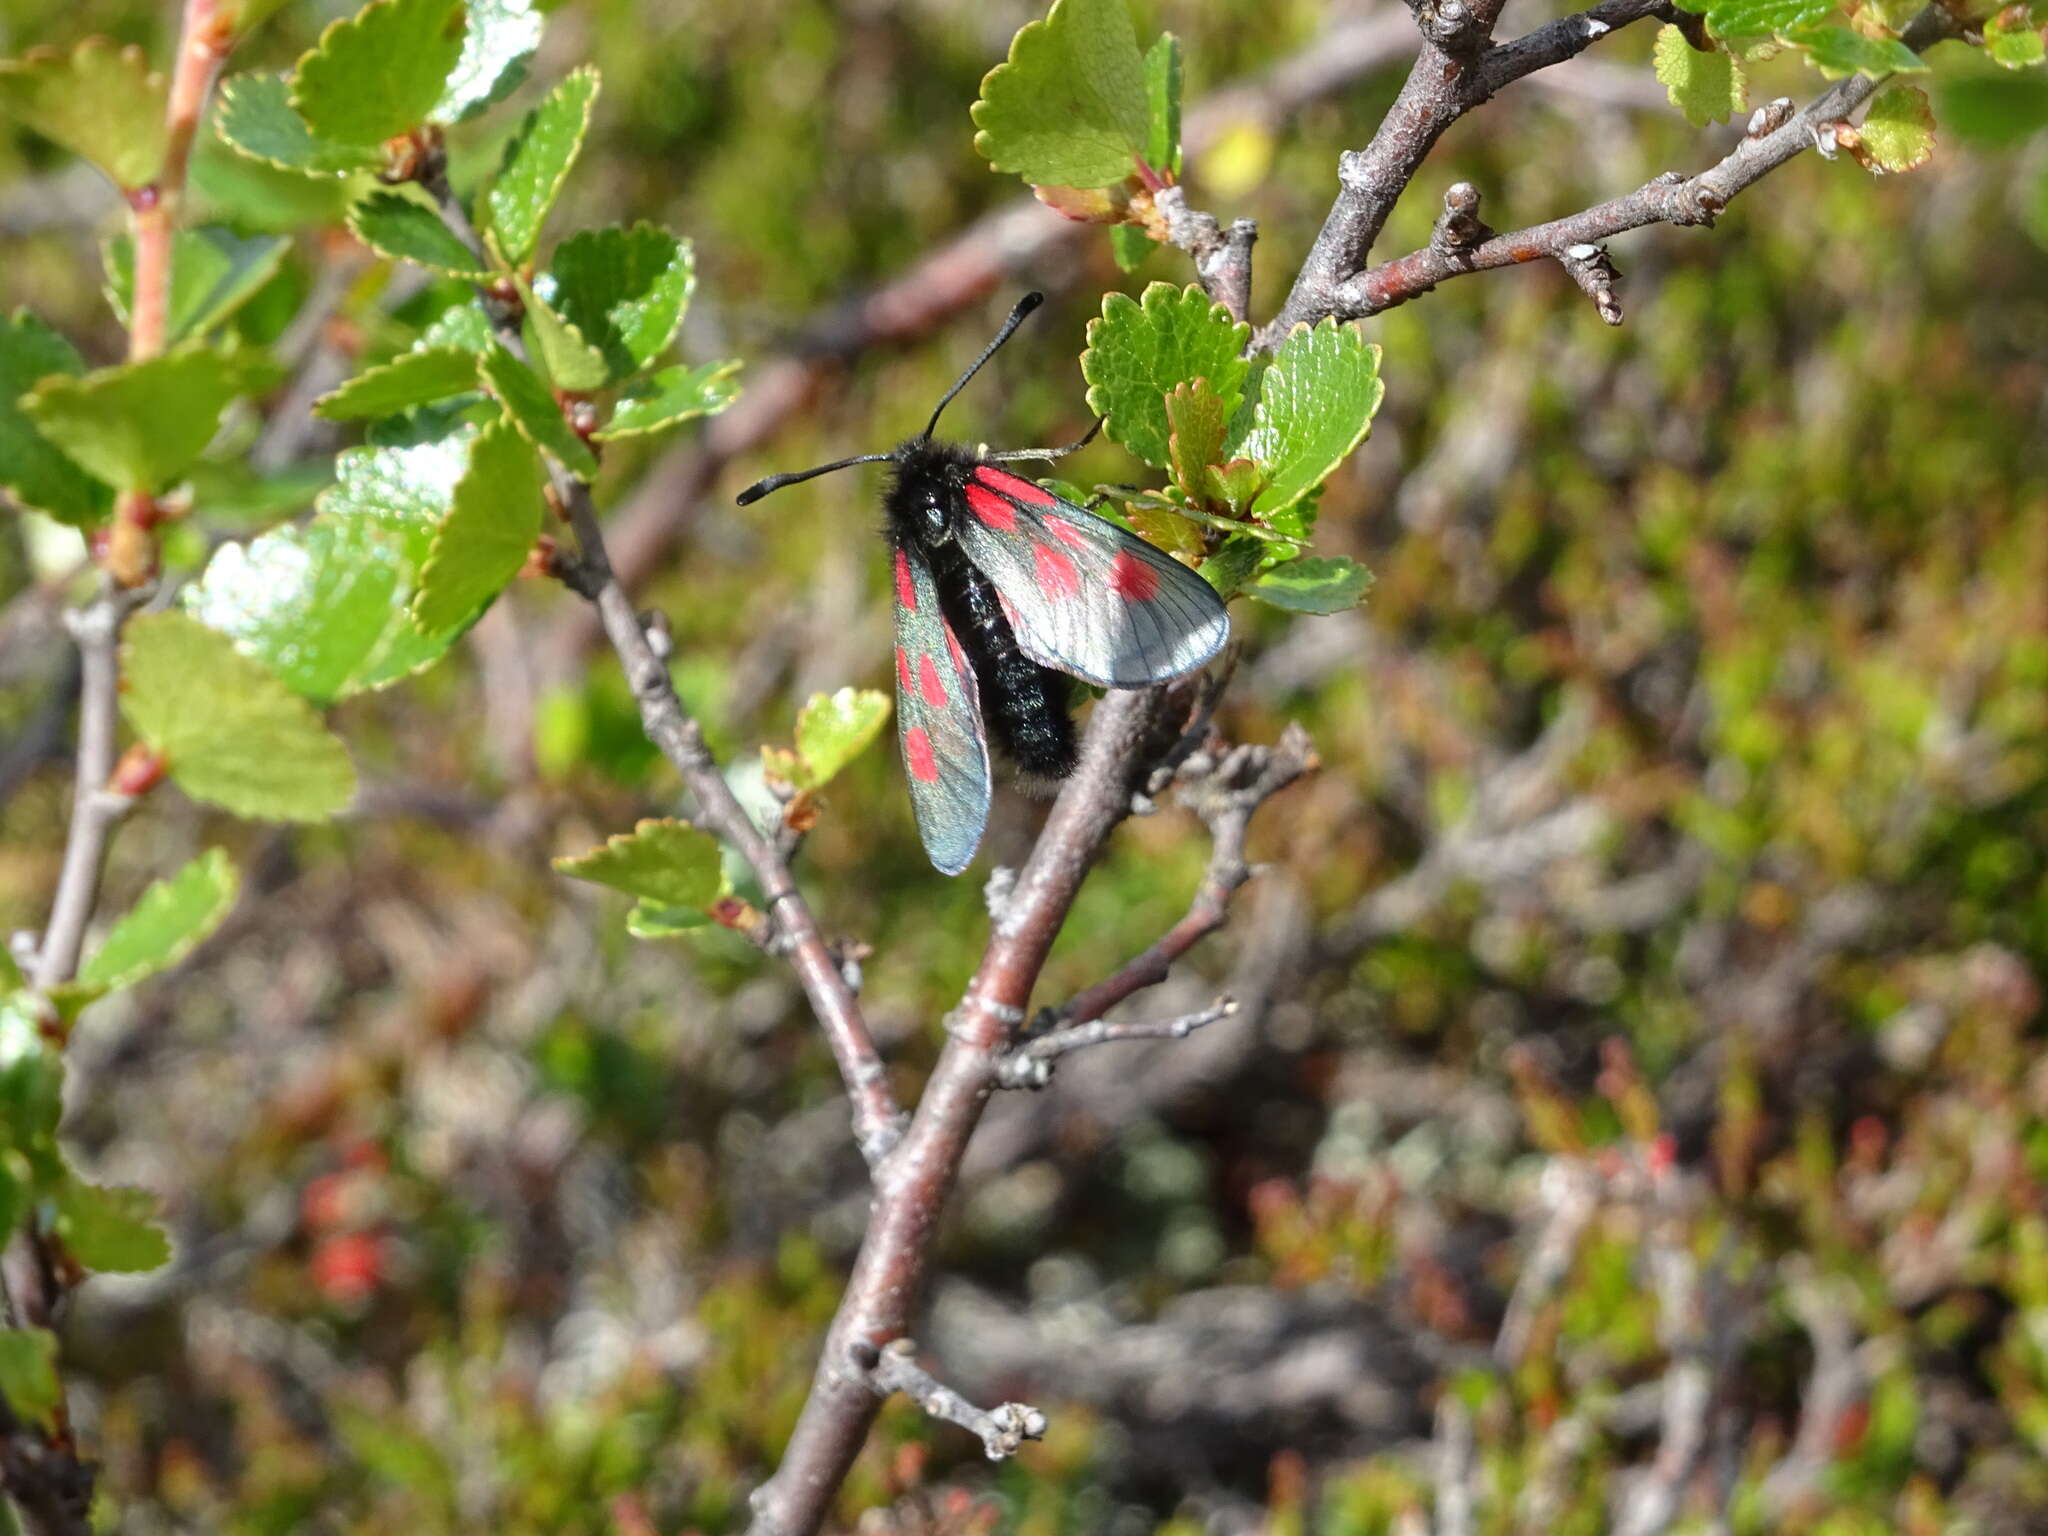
1023 703
923 501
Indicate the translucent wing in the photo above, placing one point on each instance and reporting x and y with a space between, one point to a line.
938 721
1082 594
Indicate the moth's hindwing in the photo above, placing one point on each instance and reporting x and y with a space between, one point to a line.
938 720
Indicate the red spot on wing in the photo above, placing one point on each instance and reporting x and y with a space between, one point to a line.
991 509
1066 533
902 670
1057 578
906 589
953 647
1132 578
1017 486
917 752
928 679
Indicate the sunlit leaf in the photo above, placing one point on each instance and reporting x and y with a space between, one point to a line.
534 412
229 732
1138 351
407 230
1316 403
410 379
38 472
488 533
667 861
501 36
166 923
624 291
256 118
1707 87
137 426
111 1229
326 607
671 396
1314 585
536 163
214 272
380 72
100 101
1069 106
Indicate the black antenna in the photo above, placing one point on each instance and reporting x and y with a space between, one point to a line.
760 488
1025 305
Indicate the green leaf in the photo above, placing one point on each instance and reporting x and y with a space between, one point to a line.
229 491
1162 104
463 325
111 1228
28 1374
1898 130
406 230
488 533
138 426
534 412
1196 418
501 36
1316 403
1140 350
99 101
1233 564
624 290
256 119
214 272
670 862
230 733
673 395
1764 18
410 379
172 918
380 72
571 361
1837 51
241 17
1130 246
1237 485
1316 585
1706 87
326 607
833 729
536 163
36 470
2013 39
1069 107
658 920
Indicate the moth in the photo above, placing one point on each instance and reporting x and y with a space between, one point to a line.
1001 587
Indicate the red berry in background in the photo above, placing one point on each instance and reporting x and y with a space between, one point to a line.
348 1268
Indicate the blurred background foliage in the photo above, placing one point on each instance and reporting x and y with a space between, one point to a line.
1648 984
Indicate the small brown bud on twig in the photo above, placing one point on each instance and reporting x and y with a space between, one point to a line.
139 770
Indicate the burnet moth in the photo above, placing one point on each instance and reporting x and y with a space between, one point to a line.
1000 587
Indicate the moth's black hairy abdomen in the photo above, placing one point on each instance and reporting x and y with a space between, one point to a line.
1023 704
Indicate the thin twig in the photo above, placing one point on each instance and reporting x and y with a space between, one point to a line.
1002 1429
1669 199
877 1122
1225 788
95 805
1455 72
1030 1064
